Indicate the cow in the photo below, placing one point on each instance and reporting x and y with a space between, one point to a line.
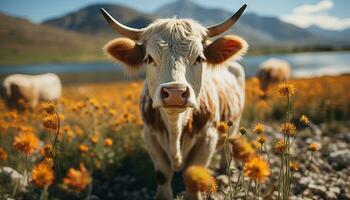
31 89
272 71
190 86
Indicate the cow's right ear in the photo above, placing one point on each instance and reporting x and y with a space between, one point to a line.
127 52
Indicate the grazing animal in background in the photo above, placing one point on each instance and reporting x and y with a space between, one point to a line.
273 71
190 86
31 88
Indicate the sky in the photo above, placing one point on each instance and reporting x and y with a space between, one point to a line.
327 14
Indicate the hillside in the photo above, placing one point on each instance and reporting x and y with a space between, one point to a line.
89 19
259 31
24 42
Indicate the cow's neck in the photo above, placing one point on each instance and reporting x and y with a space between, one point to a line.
174 121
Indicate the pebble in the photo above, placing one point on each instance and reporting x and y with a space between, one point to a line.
340 159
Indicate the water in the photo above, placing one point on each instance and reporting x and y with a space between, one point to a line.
304 65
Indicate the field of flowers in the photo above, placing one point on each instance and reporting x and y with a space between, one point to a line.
89 143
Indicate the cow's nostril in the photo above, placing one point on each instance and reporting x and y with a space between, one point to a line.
164 94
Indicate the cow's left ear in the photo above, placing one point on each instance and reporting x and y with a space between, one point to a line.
224 49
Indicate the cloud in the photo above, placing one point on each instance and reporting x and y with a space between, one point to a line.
316 14
314 8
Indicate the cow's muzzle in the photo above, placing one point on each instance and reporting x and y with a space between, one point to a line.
174 95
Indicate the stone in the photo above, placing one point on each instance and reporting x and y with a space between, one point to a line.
222 180
318 189
340 159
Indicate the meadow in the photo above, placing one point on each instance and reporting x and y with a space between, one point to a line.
89 145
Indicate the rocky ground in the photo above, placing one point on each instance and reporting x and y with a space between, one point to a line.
327 177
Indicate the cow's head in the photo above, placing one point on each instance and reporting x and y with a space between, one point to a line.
174 53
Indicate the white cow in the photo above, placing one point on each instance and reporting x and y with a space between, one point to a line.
273 70
31 88
190 85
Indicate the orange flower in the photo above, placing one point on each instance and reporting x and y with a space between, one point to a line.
83 148
50 122
304 120
26 142
50 108
3 154
77 179
95 137
222 127
288 129
280 146
262 139
294 166
241 149
286 89
313 147
257 169
198 179
108 142
259 129
42 175
46 150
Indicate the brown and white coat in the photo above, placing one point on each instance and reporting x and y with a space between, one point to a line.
191 84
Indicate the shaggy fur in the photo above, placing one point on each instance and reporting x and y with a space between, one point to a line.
273 71
178 51
31 88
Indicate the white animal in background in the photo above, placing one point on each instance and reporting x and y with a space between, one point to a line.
190 85
273 71
31 88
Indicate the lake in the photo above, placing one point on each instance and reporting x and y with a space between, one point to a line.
304 65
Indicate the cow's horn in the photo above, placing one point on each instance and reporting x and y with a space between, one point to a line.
224 26
126 31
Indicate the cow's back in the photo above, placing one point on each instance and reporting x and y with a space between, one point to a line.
225 87
49 86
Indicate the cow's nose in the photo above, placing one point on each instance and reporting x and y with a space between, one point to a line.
174 95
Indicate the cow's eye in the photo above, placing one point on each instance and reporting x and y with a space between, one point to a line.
149 59
200 59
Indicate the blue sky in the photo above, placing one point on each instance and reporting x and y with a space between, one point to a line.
329 14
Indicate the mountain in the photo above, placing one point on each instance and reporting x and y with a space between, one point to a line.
24 42
256 29
89 19
261 32
339 36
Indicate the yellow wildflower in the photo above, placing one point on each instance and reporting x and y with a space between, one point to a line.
241 149
42 175
259 128
286 89
83 148
108 142
50 122
222 127
3 154
313 147
257 169
198 179
26 142
280 146
304 120
50 108
294 166
288 129
262 139
77 179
